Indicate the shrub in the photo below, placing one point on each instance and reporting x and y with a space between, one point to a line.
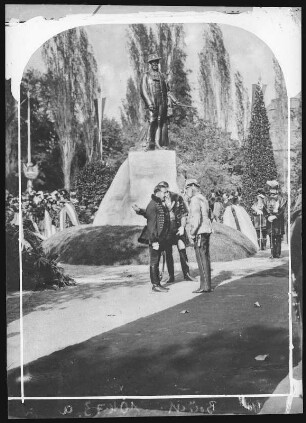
91 185
38 270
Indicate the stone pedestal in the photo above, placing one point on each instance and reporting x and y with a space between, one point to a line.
134 183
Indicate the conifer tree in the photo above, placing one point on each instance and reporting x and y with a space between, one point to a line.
259 163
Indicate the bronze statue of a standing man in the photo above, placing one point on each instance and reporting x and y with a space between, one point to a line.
156 94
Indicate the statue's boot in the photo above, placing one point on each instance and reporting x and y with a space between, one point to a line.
151 137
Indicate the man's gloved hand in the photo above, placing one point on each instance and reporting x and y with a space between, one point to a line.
155 245
271 218
135 208
180 231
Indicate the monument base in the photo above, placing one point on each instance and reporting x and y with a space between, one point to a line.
134 184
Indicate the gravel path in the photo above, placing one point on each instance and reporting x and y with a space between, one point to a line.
105 298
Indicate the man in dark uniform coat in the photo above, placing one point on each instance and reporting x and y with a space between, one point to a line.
156 94
156 233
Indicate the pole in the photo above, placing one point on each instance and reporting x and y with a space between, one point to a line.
29 182
20 244
260 233
100 139
101 136
29 132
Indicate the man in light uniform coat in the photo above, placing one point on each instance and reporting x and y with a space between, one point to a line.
200 229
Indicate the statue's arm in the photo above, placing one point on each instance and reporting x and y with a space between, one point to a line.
170 94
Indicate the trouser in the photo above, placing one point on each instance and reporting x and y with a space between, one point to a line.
184 261
203 260
183 258
170 262
263 241
158 132
155 259
276 245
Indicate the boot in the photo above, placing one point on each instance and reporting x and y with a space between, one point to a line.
272 246
205 285
278 246
158 288
154 275
170 266
200 291
184 265
274 242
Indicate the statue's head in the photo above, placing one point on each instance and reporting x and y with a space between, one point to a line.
153 60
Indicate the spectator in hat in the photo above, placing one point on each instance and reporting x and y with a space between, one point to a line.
274 210
200 230
226 200
218 209
212 199
259 219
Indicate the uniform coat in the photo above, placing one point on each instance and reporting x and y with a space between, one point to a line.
201 228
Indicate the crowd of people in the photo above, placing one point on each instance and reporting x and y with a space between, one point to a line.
267 219
183 220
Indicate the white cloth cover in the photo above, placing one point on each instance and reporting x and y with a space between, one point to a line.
48 225
244 221
68 210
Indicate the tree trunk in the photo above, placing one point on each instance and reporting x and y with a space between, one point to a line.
10 161
67 150
67 173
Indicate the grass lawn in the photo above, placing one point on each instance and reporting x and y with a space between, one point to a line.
118 245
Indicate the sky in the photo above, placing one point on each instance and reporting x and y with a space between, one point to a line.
248 54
